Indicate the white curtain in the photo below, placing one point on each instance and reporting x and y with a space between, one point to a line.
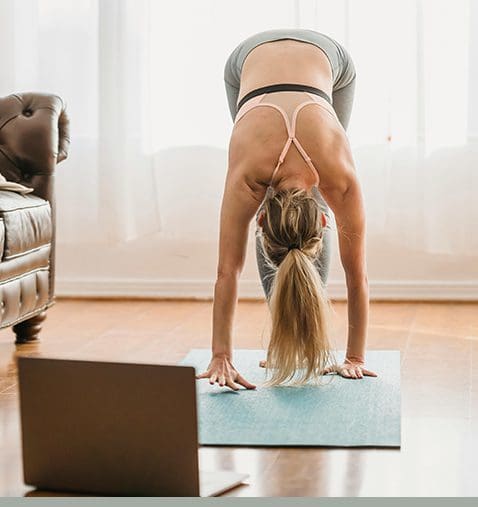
94 54
150 123
414 123
413 140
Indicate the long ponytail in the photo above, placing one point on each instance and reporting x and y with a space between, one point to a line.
299 348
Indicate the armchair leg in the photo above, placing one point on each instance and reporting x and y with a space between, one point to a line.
28 330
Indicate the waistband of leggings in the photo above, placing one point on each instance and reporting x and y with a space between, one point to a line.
283 87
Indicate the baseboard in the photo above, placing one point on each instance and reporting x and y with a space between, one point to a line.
391 290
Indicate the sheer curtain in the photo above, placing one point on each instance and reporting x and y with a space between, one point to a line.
413 129
94 54
143 83
412 137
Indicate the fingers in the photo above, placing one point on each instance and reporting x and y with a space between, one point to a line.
207 374
241 380
222 371
222 380
263 363
358 372
369 373
230 383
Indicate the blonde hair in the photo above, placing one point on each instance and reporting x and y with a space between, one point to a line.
299 348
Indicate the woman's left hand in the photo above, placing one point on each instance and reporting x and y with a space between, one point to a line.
350 369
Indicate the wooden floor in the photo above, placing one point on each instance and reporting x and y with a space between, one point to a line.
439 356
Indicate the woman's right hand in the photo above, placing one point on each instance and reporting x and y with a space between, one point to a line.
222 371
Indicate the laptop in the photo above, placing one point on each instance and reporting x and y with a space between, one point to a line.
116 429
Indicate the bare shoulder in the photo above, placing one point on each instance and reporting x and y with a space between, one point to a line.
256 142
241 186
326 141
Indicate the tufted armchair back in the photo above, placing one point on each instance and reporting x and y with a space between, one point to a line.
34 137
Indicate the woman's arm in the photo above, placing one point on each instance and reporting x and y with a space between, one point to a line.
347 204
350 219
240 202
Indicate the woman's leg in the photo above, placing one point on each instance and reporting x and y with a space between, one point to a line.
322 262
343 101
231 84
344 88
232 93
266 273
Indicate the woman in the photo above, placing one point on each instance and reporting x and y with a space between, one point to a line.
289 164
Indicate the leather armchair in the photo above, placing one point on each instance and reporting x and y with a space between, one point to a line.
33 139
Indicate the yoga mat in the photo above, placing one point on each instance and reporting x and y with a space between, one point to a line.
340 413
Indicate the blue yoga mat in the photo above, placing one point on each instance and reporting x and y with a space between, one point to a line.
340 413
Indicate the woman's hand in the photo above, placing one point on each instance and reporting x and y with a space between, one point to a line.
351 368
222 371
